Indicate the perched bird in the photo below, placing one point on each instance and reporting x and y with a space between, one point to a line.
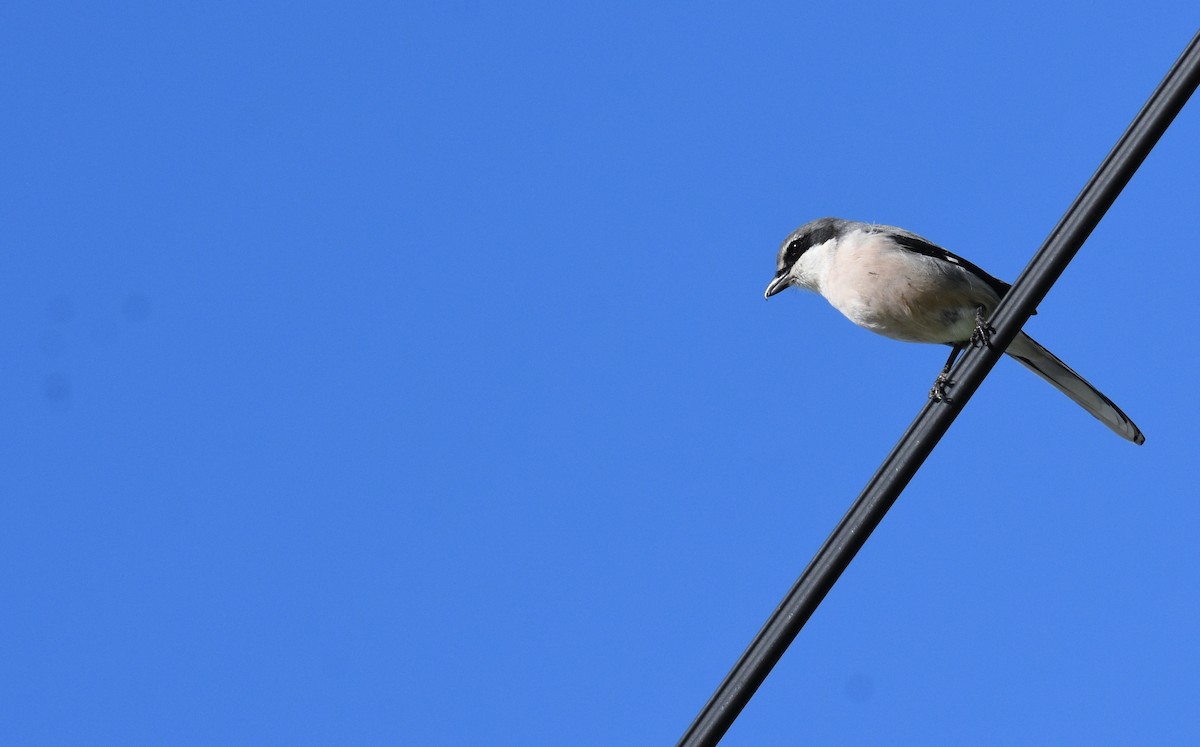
902 286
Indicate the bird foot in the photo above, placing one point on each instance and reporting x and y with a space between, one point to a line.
982 336
941 386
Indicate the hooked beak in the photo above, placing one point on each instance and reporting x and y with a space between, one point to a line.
780 283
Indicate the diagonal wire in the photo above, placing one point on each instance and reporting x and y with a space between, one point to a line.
935 418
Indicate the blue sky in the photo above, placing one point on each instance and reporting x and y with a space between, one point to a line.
399 373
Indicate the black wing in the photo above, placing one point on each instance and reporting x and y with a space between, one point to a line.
921 246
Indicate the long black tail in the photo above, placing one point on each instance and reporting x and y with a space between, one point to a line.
1044 363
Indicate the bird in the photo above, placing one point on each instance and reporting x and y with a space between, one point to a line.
900 285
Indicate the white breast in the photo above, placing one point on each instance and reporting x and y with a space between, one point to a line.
902 294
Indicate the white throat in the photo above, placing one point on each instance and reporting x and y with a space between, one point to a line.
813 265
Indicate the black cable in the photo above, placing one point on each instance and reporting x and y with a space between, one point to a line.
935 418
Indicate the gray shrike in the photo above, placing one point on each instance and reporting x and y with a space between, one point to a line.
902 286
